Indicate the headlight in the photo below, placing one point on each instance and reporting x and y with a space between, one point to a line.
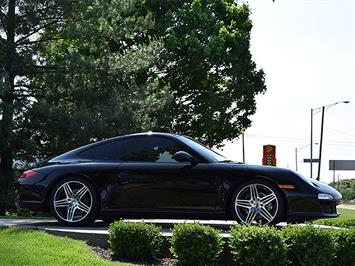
324 196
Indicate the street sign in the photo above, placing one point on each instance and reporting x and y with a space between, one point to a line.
345 165
309 160
269 155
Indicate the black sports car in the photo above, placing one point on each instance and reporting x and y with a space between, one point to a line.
166 175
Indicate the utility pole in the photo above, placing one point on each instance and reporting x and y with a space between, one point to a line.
311 143
243 148
321 144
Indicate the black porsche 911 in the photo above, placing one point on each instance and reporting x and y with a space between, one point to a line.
165 175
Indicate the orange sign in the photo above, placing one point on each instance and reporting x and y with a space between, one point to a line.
269 155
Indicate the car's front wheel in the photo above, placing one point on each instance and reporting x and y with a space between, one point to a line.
74 202
257 202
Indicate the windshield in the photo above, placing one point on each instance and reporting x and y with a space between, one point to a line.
204 151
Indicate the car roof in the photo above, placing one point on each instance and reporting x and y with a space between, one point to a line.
74 152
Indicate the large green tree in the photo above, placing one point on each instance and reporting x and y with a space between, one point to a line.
105 84
20 24
208 67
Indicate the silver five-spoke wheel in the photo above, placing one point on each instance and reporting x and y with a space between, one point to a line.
72 201
256 203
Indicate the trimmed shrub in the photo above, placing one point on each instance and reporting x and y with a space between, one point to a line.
196 244
344 247
339 222
308 245
134 240
251 245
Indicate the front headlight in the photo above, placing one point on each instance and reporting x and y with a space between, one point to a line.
325 196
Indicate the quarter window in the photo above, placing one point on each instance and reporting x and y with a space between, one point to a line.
111 151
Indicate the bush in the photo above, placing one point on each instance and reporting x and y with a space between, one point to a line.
134 240
344 247
308 245
339 222
196 244
252 245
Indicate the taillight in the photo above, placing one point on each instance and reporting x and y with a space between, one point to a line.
28 173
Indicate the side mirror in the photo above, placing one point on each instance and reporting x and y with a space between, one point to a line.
184 157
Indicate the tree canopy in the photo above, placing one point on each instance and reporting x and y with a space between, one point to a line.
208 67
346 187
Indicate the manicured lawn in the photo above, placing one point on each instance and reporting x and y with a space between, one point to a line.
28 247
348 203
346 213
346 219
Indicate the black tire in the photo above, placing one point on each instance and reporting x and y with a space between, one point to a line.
59 212
240 213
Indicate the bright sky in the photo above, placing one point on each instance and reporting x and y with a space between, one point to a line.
307 50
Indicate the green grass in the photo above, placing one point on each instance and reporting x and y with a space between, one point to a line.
346 219
346 213
28 247
348 203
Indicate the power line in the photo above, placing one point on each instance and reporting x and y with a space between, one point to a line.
289 139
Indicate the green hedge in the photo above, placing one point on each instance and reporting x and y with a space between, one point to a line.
252 245
344 247
134 240
339 222
196 244
308 245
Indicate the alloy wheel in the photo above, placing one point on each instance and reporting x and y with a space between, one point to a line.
256 204
72 201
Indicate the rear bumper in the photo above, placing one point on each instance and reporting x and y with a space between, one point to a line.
29 197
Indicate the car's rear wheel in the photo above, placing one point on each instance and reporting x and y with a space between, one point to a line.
74 202
257 203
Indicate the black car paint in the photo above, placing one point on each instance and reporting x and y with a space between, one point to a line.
144 189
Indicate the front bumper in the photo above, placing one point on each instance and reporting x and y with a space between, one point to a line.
307 206
311 209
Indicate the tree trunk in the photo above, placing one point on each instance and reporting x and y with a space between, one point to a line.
6 156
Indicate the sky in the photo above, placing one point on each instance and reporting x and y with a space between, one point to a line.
307 51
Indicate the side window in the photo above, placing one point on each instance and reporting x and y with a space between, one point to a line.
150 149
110 151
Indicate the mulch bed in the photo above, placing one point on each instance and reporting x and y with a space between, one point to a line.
107 255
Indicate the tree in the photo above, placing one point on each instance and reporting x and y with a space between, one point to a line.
106 85
346 187
208 67
20 23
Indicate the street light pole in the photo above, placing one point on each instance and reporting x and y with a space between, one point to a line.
313 112
321 144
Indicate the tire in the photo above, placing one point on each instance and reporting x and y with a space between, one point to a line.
74 202
257 202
